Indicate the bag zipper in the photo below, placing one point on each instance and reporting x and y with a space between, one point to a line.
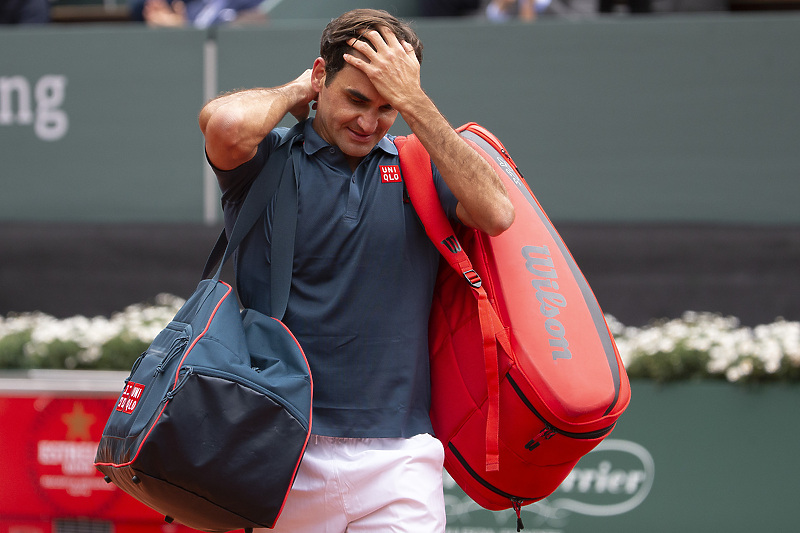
214 372
547 433
483 481
516 501
549 429
495 143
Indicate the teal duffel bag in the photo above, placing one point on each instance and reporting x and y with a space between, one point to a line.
214 419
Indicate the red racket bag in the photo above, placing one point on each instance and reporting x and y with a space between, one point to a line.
526 377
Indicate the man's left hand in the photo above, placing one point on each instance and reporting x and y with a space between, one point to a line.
391 66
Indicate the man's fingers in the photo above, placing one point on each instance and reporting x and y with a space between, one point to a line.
388 37
373 41
362 45
355 61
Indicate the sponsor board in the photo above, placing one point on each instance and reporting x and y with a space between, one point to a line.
47 447
24 102
60 450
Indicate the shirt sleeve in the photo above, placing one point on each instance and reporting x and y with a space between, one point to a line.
446 196
234 184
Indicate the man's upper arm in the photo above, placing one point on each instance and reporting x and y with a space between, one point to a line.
235 183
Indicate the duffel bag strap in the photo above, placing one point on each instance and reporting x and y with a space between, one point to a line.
279 169
283 233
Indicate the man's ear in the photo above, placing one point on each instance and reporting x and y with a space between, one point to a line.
318 74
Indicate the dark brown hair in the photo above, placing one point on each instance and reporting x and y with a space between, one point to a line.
333 44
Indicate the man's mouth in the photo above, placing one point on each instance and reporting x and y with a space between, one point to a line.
360 137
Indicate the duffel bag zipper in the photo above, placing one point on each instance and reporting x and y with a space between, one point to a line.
214 372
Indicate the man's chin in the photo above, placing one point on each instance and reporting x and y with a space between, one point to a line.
357 149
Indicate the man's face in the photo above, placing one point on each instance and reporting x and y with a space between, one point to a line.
351 114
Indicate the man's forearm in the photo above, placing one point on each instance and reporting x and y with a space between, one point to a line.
234 124
394 70
483 200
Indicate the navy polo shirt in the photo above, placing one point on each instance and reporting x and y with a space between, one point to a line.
363 279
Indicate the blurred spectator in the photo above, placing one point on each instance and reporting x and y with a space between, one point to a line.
24 11
503 10
197 13
633 6
449 8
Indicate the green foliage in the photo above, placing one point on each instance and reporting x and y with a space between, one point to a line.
12 349
56 354
677 365
120 353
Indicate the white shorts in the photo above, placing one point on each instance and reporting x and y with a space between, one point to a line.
367 486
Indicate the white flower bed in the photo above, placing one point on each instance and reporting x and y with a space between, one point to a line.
86 337
736 352
707 344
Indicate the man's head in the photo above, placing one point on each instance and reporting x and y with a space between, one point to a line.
351 113
353 24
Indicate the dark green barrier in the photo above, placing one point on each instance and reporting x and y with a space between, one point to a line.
100 124
665 119
661 119
689 119
689 457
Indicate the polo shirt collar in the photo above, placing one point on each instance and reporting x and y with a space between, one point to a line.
313 142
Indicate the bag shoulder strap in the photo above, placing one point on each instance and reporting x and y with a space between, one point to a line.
415 164
279 170
284 228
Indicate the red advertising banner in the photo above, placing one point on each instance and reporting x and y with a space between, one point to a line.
48 441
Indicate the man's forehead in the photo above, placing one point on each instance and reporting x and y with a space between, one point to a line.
357 94
354 82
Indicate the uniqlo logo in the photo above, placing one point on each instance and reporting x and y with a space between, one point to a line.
130 397
390 174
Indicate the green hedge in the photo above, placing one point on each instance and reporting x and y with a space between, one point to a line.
709 346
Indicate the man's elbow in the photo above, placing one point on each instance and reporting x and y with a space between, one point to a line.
501 222
225 144
222 128
492 222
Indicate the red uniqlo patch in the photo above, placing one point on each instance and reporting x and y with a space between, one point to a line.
390 174
130 397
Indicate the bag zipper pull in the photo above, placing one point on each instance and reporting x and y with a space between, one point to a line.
187 371
517 505
547 433
176 348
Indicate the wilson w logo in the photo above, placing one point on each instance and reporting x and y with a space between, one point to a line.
452 244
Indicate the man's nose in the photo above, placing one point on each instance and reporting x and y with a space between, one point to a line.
368 121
